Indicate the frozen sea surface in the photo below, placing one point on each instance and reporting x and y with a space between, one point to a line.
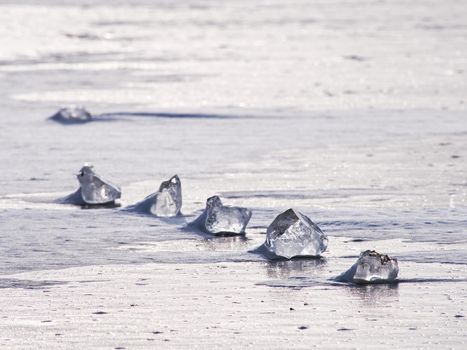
353 112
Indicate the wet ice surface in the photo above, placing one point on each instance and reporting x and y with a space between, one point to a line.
296 112
25 284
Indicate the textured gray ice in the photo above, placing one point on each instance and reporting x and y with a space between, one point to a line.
294 234
71 115
334 172
220 219
95 189
371 267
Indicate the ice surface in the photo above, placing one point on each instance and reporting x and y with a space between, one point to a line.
294 234
166 202
371 267
94 189
70 115
354 183
220 219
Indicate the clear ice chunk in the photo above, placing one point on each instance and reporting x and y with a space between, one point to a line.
371 267
294 234
71 115
220 219
94 189
166 202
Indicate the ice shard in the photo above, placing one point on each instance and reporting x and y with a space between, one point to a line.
166 202
371 267
220 219
72 115
293 234
94 189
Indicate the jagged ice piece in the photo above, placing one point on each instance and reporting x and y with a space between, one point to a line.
94 189
371 267
168 200
219 219
70 115
294 234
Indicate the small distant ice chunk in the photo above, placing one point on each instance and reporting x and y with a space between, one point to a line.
166 202
293 234
94 189
220 219
371 267
72 115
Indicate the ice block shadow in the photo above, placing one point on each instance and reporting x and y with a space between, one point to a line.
76 198
195 227
263 251
115 116
305 282
167 115
140 210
